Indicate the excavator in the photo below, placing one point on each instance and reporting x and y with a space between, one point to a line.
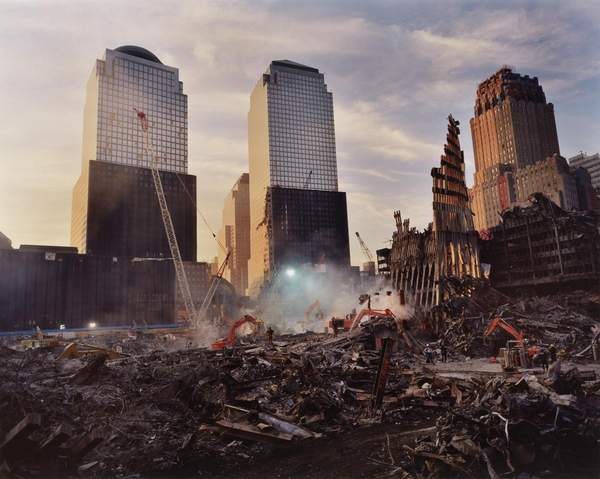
516 353
312 313
499 322
352 320
371 313
386 331
230 339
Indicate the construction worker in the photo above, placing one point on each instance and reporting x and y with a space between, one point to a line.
428 352
270 336
555 368
541 359
552 353
444 353
334 326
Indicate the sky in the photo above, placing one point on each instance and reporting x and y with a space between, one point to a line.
396 70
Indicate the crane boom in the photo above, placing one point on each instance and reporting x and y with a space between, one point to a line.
213 288
365 248
182 281
307 182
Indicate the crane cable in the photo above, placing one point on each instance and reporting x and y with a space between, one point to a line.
200 213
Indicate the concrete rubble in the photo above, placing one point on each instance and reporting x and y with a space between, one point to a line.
305 405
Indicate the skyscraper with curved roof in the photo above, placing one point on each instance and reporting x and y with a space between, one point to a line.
115 210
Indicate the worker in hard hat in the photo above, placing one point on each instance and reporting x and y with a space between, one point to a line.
555 368
552 353
428 353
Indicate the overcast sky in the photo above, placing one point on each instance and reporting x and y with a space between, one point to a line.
396 70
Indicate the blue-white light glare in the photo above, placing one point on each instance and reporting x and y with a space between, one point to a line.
290 272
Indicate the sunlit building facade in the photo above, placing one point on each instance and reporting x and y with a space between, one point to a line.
513 130
234 234
297 214
131 78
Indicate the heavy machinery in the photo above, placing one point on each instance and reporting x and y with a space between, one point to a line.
366 251
516 353
182 281
231 337
352 320
192 315
371 313
499 322
313 313
342 324
365 248
213 287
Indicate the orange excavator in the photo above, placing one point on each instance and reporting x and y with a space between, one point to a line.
498 322
230 339
352 321
516 353
371 313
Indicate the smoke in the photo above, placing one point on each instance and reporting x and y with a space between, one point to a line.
284 305
205 334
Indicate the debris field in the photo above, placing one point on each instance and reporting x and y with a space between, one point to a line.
304 406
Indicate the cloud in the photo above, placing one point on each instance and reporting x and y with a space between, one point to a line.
396 69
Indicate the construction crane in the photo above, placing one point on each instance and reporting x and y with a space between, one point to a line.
213 288
365 248
307 182
182 281
367 252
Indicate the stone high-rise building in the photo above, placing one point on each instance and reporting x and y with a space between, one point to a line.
513 128
115 210
591 163
297 215
235 234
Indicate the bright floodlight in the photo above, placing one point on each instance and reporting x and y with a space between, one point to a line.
290 272
62 326
92 325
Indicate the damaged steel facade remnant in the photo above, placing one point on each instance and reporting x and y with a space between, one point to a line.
449 246
542 246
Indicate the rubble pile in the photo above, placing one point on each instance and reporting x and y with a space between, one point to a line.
505 426
546 319
231 411
566 320
145 411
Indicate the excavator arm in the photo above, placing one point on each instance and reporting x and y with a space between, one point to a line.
229 340
371 313
316 305
498 322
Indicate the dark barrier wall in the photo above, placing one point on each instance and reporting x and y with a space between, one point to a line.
47 289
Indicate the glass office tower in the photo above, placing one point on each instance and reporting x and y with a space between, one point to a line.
291 143
107 221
